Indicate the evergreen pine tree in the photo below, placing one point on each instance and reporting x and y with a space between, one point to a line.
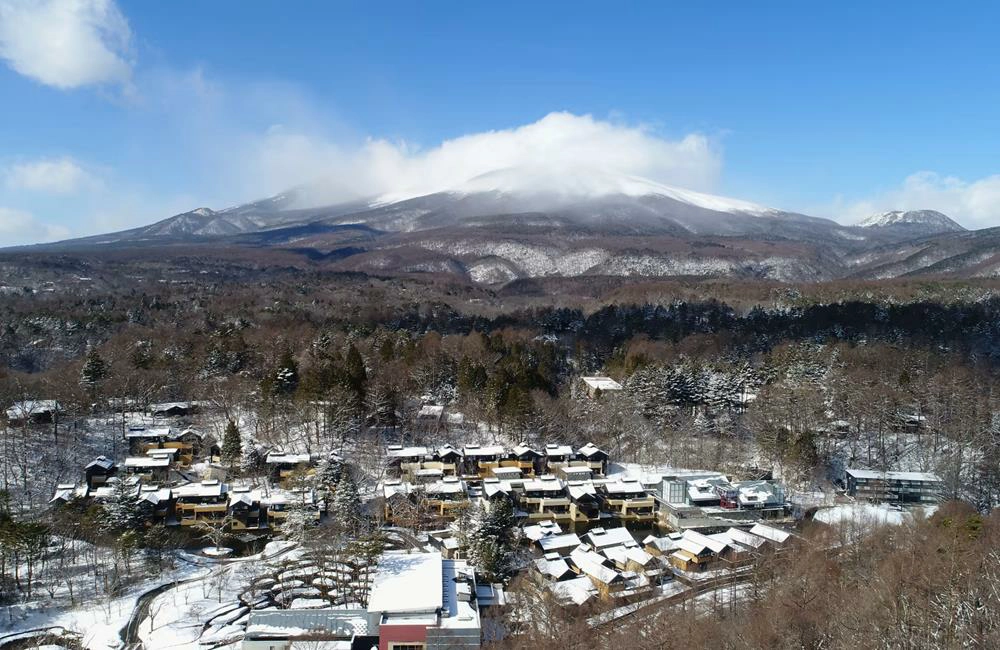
346 512
122 511
356 377
94 372
329 473
286 377
491 541
232 445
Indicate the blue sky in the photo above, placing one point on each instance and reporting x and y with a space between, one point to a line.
118 114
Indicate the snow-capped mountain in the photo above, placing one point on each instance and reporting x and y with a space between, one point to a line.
535 221
545 185
926 220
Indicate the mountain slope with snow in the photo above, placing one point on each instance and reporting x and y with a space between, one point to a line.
926 220
535 221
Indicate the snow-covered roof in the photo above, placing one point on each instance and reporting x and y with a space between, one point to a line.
31 407
524 450
244 496
894 476
67 491
603 383
556 542
696 543
281 497
756 492
203 489
626 486
704 489
601 538
542 529
407 583
447 450
430 411
278 458
446 486
489 450
166 406
554 568
101 462
163 432
771 533
458 608
544 484
743 538
662 544
558 450
507 472
154 495
578 590
396 451
590 450
625 554
393 488
291 623
592 564
581 489
147 461
492 486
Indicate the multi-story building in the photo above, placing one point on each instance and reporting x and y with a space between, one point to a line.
894 487
207 501
593 457
627 501
481 461
544 498
446 497
524 458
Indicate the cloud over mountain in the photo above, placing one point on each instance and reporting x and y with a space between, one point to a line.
559 141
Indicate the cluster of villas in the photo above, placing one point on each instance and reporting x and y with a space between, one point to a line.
417 601
612 564
570 486
159 468
46 411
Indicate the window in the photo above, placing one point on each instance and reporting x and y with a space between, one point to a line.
407 646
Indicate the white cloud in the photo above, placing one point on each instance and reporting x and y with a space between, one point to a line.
283 157
974 204
56 176
20 227
66 43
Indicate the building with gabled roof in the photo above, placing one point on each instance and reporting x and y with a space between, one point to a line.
563 544
593 457
775 536
98 471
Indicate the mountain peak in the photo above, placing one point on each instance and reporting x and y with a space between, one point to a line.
575 183
930 220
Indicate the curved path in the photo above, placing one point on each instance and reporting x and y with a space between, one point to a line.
129 634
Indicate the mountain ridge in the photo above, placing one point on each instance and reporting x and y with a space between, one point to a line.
524 222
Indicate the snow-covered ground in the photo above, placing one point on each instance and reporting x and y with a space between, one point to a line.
98 621
176 617
870 515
